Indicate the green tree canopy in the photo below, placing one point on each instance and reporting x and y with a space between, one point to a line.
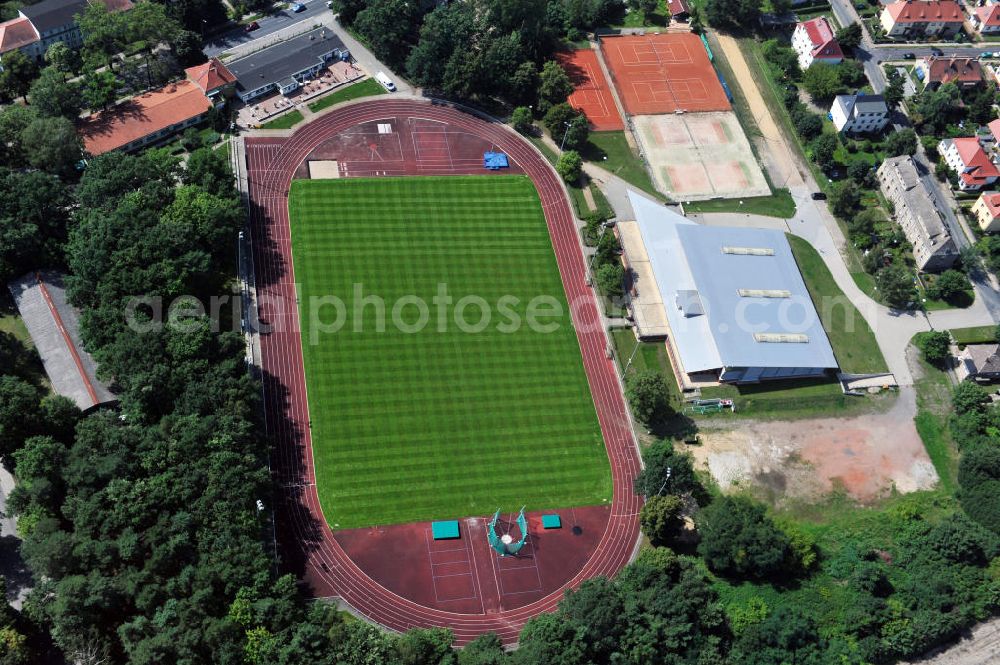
649 395
738 539
570 166
895 284
53 97
662 519
822 81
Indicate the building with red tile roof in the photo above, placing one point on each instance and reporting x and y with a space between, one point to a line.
987 211
145 120
678 8
16 34
814 41
987 19
966 157
214 79
906 18
935 71
42 24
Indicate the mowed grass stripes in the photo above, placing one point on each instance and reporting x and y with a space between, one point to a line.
441 422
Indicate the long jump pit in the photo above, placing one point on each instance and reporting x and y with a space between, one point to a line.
698 156
591 93
663 74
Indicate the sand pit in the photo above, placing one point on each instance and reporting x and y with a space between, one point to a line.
867 457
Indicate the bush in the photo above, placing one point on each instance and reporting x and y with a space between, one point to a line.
807 124
934 345
738 539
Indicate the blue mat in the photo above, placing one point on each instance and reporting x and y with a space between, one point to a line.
494 161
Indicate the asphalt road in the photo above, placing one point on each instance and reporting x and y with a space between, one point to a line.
268 25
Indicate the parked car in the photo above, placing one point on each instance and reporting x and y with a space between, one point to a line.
936 51
298 7
909 56
819 196
251 26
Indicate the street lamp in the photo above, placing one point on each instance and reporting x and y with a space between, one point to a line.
569 126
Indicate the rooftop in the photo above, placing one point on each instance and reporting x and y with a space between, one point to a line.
284 58
53 324
988 15
52 14
728 292
678 7
210 75
971 152
16 33
925 11
862 103
953 69
992 201
141 116
821 36
917 199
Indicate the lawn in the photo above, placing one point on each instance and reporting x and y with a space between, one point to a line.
576 189
975 335
648 355
462 415
611 151
366 88
286 121
852 339
794 398
780 204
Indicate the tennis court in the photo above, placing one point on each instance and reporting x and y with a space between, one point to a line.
700 156
663 74
591 93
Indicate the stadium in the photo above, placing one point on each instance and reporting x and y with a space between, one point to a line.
435 470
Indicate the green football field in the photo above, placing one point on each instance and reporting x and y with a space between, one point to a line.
439 421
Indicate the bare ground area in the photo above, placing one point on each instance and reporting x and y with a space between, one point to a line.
867 457
980 646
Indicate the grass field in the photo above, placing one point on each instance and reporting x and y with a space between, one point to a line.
440 423
366 88
286 121
975 335
611 151
853 341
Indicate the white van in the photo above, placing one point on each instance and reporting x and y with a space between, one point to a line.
385 81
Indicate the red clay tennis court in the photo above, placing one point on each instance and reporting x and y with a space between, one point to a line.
591 93
663 74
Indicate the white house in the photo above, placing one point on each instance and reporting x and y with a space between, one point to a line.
987 19
814 41
966 157
922 18
859 114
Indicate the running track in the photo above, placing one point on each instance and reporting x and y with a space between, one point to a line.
270 168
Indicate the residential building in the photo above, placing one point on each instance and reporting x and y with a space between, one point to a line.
987 211
979 362
916 214
935 71
54 328
18 34
286 65
987 19
859 114
51 21
214 79
679 9
966 157
721 297
145 120
814 41
922 18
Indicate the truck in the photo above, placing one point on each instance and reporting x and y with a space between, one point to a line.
385 81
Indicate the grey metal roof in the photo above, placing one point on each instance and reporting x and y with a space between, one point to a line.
284 59
861 104
51 14
688 257
54 328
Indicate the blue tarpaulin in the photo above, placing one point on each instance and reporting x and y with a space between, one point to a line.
494 161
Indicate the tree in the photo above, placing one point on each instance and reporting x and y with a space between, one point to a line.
100 89
388 27
53 97
733 14
521 120
950 286
554 86
55 145
63 58
895 283
934 346
783 58
822 81
850 36
661 519
969 397
563 121
901 142
861 173
487 649
13 121
894 90
647 7
595 611
569 166
17 398
809 125
209 169
649 395
695 22
823 148
935 108
18 72
844 198
738 539
32 221
104 31
667 471
609 278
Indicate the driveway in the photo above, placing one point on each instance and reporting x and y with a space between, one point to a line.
268 26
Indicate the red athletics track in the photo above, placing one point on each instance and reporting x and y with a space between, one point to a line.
331 572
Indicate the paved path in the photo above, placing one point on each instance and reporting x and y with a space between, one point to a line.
12 566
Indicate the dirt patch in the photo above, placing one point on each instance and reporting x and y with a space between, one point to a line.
867 457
